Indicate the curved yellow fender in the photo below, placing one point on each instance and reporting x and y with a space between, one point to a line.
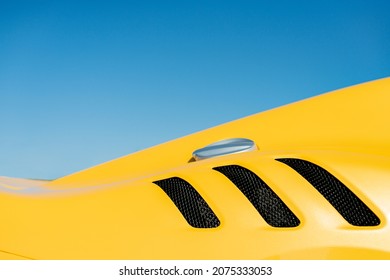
316 186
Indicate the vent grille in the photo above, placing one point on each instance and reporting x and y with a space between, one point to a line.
190 203
353 210
262 197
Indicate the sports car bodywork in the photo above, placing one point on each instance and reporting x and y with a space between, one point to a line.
309 180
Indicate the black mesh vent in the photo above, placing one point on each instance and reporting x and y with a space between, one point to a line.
191 205
343 199
262 197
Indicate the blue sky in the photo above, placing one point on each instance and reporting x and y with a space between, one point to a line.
83 82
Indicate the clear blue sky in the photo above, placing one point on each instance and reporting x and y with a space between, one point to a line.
83 82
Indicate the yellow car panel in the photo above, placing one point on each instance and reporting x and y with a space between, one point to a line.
316 187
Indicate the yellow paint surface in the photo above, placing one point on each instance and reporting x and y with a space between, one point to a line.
115 211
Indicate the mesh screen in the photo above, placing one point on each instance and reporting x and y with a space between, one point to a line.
339 196
189 202
262 197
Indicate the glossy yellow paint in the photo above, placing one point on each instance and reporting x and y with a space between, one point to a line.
115 211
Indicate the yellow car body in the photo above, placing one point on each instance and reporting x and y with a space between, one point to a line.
323 164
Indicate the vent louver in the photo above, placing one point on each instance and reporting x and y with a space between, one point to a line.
353 210
262 197
189 202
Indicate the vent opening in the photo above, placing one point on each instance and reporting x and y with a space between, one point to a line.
262 197
353 210
190 203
